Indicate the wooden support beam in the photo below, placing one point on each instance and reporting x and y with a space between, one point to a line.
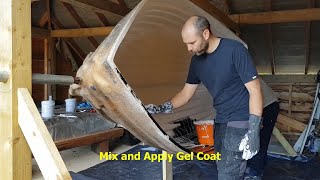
215 12
40 33
285 16
284 142
80 22
46 68
100 6
83 32
15 50
39 139
89 139
70 41
291 122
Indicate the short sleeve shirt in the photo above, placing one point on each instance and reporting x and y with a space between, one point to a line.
224 73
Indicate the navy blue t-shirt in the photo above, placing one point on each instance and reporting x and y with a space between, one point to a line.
224 73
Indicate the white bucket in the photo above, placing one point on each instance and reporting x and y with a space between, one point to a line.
71 105
47 108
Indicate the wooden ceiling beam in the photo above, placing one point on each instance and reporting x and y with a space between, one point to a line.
312 14
98 6
215 12
80 22
82 32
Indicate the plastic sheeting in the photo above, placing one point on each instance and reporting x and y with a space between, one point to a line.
77 124
277 169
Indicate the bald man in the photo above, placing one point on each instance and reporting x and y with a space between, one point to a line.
225 67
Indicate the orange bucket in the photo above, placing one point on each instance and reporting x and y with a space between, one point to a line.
204 130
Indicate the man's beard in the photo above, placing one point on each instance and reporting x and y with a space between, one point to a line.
203 50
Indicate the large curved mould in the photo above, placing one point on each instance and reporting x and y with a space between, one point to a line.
147 47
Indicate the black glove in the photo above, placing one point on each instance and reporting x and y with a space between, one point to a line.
250 143
163 108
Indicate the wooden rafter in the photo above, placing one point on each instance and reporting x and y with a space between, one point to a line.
80 22
70 41
311 4
312 14
103 19
215 12
98 5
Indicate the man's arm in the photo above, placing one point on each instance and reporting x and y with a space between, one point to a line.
178 100
184 95
256 99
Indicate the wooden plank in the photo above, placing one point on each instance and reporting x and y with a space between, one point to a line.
82 32
283 142
80 22
97 5
39 139
291 122
46 68
15 50
89 139
288 78
40 33
312 14
215 12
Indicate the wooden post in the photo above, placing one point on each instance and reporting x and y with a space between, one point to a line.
15 50
46 69
166 168
40 141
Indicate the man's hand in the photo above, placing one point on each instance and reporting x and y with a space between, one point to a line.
163 108
250 144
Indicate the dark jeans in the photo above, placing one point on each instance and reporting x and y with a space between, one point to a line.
227 140
270 114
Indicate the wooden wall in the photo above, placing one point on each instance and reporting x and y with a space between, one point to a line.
296 102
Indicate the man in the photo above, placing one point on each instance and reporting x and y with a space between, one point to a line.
225 67
255 165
